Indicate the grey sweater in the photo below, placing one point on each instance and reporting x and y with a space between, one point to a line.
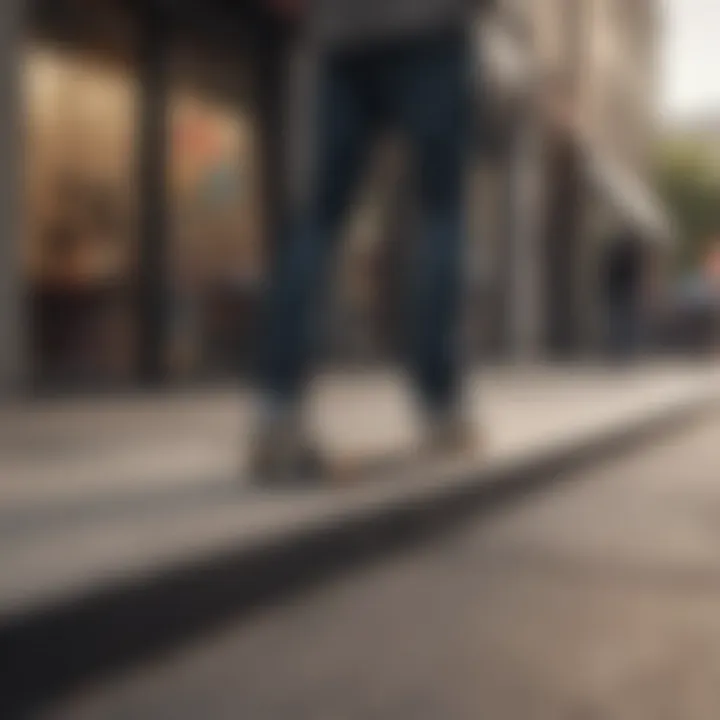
340 23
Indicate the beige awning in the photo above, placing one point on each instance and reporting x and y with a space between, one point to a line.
631 197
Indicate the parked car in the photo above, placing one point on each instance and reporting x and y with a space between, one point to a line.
691 316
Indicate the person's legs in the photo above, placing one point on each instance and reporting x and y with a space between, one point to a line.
433 97
304 251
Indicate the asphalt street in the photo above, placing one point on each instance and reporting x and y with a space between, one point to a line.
599 598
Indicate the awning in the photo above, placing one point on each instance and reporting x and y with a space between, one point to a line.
631 198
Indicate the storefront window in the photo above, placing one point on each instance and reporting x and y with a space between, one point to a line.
80 249
216 235
82 239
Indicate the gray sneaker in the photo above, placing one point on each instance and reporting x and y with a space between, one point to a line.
282 453
450 435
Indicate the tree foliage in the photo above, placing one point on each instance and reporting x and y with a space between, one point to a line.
688 179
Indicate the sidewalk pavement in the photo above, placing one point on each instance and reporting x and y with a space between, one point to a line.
125 522
97 490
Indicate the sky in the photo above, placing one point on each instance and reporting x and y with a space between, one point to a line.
691 57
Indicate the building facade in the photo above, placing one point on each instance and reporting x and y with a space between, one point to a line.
580 155
137 192
143 176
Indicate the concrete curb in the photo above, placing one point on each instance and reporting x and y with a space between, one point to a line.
47 653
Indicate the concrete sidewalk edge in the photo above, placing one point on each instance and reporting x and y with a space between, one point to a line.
45 654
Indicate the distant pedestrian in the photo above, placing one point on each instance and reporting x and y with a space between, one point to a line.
623 288
399 63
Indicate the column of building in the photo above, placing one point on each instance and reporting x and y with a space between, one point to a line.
152 168
523 237
14 323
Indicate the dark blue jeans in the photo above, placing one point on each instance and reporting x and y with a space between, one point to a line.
418 86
